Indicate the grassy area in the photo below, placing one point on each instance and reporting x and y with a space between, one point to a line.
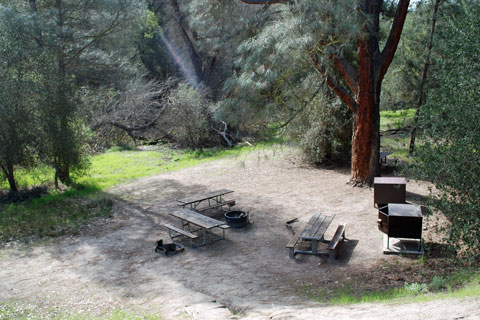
399 142
396 119
60 213
461 284
117 166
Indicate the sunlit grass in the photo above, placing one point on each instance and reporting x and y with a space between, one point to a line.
396 119
31 177
116 167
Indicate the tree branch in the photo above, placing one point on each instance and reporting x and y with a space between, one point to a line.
96 37
126 127
339 89
296 112
347 71
388 52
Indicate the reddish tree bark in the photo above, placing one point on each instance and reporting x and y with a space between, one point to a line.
364 84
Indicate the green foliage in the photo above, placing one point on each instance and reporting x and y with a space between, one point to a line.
45 54
438 283
154 55
190 116
401 84
326 134
415 288
450 155
18 131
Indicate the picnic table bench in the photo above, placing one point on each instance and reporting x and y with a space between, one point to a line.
214 200
191 222
313 231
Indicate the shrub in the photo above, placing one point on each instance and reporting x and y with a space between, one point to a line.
190 117
327 131
450 156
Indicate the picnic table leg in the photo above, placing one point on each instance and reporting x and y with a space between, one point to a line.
314 246
204 240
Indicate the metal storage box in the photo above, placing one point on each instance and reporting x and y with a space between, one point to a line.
389 190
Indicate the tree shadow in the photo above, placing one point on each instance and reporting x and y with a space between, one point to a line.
439 250
416 198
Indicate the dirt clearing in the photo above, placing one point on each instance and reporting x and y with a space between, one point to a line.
249 275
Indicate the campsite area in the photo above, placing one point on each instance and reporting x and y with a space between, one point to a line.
112 265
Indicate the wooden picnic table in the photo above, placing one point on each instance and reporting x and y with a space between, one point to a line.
313 232
203 223
214 199
384 155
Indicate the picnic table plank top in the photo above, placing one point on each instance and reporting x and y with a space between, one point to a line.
197 218
384 154
316 227
204 196
323 228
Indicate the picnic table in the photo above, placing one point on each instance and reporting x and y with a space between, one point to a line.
313 232
383 156
214 200
199 221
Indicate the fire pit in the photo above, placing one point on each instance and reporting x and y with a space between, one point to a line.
401 221
236 219
168 249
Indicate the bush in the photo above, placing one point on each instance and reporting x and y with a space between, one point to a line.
450 156
415 288
326 132
190 117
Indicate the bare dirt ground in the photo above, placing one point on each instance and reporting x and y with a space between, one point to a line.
112 265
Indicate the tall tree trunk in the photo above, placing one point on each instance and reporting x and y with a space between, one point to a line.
421 93
62 172
62 165
365 141
366 134
8 170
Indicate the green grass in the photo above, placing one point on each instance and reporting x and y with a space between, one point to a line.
61 213
397 143
116 167
461 284
396 119
121 165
